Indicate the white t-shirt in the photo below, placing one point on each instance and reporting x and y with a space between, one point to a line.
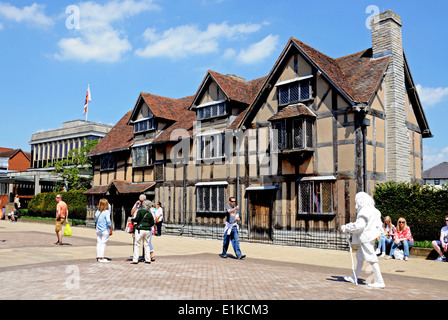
444 233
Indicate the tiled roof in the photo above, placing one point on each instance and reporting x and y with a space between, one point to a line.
356 76
363 73
120 137
185 119
439 171
291 111
163 107
11 153
122 186
328 66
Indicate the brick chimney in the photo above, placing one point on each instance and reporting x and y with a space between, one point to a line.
387 41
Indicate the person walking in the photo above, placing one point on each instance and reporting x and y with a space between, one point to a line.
231 230
61 215
103 229
159 219
365 230
144 221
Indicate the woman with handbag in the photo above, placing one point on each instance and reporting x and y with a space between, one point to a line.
103 229
402 238
159 219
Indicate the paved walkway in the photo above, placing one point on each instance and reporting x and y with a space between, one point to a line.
31 267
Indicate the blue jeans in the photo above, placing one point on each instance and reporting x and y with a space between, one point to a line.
234 238
406 244
384 243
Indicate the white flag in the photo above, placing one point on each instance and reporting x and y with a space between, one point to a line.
88 99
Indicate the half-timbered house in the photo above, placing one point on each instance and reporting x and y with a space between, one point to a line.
293 147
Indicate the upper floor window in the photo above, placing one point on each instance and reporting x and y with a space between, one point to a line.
211 146
211 110
295 133
108 162
293 91
142 156
144 125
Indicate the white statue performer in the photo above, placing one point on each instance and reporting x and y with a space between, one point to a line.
366 229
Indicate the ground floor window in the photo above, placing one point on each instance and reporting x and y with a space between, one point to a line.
210 198
315 197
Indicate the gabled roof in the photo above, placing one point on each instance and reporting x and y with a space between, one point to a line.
184 121
235 88
120 137
439 171
161 107
122 186
11 153
355 76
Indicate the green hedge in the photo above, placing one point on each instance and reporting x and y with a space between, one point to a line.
44 204
423 206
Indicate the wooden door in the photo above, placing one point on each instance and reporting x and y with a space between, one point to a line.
260 207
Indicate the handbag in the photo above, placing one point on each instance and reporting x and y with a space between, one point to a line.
398 254
130 226
67 230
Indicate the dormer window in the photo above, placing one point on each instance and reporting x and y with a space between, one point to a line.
144 125
211 110
294 90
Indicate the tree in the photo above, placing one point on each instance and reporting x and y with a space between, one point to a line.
76 170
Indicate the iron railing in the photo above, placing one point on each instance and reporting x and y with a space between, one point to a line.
299 230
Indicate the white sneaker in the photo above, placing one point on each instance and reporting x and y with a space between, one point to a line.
377 285
377 251
383 255
103 260
349 279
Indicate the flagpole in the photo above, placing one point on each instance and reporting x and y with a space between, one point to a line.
88 94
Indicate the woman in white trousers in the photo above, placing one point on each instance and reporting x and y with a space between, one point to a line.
103 229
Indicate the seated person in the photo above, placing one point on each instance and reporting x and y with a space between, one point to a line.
402 238
14 215
441 245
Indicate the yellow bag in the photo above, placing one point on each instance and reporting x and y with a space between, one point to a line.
67 230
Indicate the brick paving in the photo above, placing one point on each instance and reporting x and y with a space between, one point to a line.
198 276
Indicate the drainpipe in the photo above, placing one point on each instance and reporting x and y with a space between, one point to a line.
364 124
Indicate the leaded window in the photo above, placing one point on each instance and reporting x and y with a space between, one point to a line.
211 146
211 111
315 197
294 92
210 198
142 156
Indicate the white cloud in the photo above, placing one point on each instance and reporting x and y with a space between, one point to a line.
431 96
33 14
434 156
188 40
258 51
97 38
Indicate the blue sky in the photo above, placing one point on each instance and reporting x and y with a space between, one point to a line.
51 50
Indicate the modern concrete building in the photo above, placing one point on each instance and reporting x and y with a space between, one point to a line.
50 146
47 147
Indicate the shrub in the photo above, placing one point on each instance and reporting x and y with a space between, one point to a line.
423 206
44 204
